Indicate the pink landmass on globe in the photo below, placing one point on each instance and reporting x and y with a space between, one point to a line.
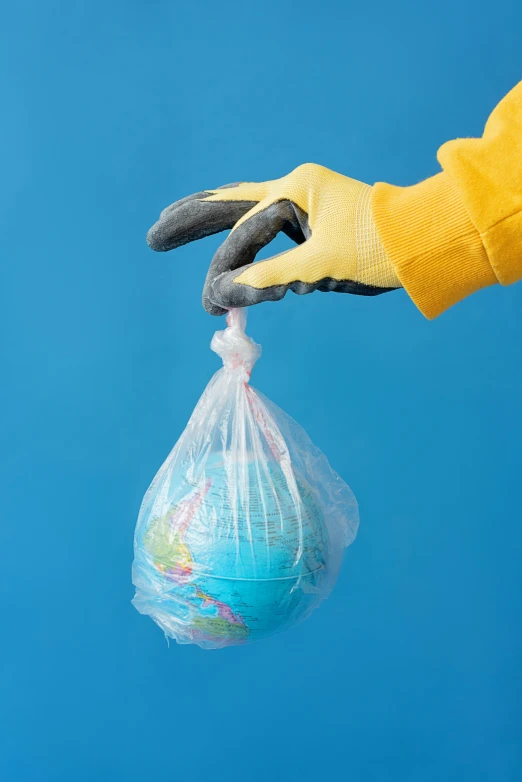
224 610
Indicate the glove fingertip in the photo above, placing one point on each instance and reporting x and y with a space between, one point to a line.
211 307
155 238
221 293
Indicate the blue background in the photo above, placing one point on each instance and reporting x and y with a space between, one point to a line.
411 672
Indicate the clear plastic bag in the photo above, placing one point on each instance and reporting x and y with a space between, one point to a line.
242 530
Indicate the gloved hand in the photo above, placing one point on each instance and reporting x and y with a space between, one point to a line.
328 215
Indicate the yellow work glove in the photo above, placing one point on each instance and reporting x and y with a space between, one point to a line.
328 215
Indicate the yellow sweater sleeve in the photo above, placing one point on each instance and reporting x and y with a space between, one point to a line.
460 230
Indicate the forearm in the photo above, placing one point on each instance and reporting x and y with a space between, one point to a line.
460 230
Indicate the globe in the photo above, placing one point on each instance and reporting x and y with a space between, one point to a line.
230 553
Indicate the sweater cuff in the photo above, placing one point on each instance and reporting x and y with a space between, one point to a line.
428 235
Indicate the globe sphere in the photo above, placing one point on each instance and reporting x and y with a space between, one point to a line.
232 553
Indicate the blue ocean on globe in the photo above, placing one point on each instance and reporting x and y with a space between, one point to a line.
230 553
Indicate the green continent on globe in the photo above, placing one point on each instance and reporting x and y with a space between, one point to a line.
166 544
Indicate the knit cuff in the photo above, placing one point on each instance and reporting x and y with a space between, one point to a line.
436 250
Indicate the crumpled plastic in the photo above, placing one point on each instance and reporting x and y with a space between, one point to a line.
241 533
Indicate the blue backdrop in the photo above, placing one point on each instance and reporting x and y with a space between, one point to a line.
411 672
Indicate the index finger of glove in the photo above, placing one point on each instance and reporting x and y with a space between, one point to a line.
242 245
202 214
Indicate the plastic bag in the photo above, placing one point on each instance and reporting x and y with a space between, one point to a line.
241 532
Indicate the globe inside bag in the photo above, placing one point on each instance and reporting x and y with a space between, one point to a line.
241 533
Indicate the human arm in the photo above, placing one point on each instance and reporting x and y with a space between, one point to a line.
441 239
